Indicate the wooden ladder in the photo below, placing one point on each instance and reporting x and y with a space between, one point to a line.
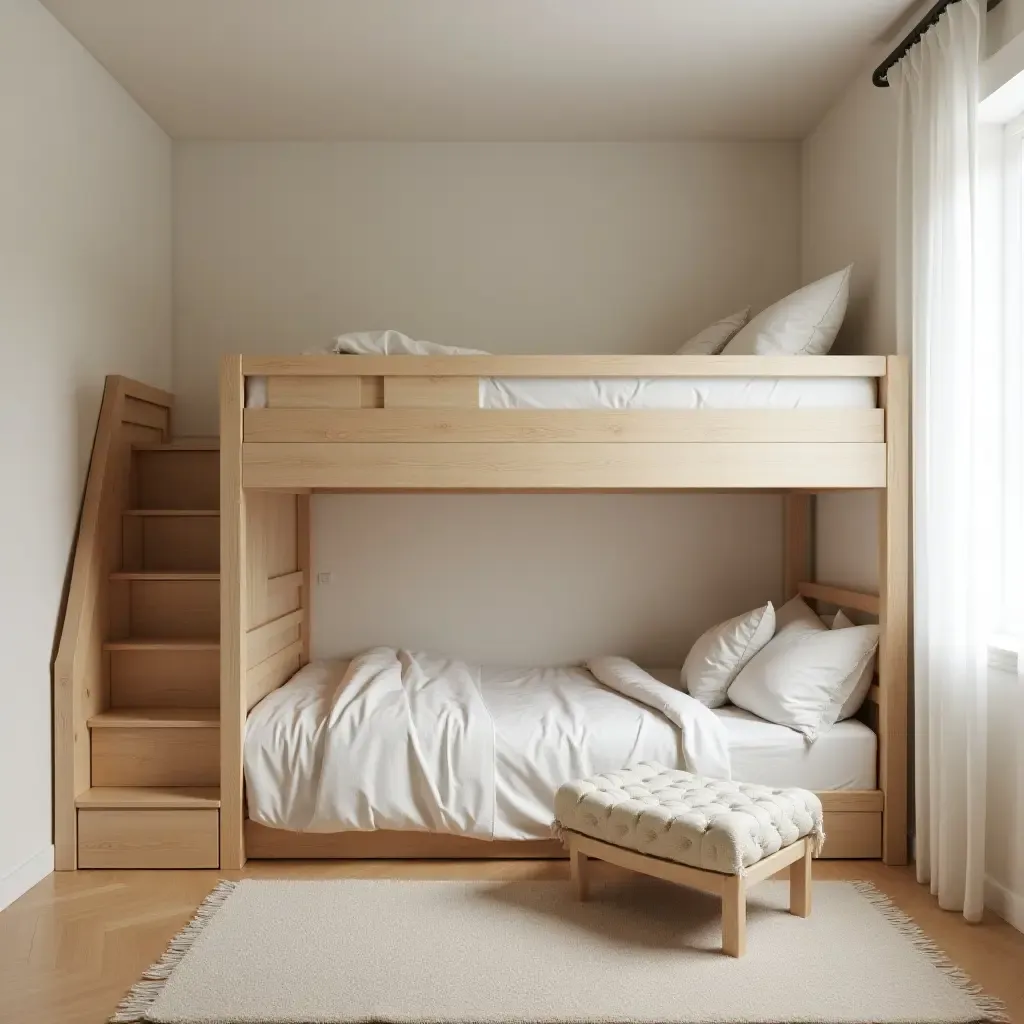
154 797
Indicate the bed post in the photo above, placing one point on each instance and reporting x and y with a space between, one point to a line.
893 576
232 613
798 553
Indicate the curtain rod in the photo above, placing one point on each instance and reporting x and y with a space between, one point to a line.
881 75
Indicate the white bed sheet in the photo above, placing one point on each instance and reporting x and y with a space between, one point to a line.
659 393
550 725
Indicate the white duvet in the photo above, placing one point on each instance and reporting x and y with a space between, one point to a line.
409 741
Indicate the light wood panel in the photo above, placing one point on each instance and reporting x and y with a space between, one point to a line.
171 541
315 392
894 620
852 836
565 366
155 757
80 670
150 798
233 612
273 672
431 392
166 678
72 947
557 466
859 800
304 559
173 609
155 718
148 838
266 640
176 478
412 426
277 844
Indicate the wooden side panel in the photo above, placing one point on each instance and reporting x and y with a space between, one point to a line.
431 392
177 543
852 836
164 679
233 613
894 619
558 466
271 551
155 757
148 838
81 667
168 609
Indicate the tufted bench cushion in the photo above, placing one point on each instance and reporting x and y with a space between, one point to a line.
710 824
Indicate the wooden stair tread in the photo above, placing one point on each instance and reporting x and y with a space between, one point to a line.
149 797
182 444
196 513
156 718
160 576
157 644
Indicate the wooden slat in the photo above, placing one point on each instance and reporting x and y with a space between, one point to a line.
233 604
840 596
162 576
563 466
156 718
173 512
862 801
181 444
162 644
271 673
277 586
258 639
144 392
412 426
431 392
315 392
150 798
163 838
155 757
565 366
893 573
145 414
798 541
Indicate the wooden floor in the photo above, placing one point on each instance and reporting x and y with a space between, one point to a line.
71 947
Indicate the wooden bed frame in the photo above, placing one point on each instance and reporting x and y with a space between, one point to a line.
400 424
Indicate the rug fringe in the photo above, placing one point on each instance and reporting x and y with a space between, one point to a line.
136 1004
993 1010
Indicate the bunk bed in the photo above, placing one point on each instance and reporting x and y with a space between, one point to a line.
295 426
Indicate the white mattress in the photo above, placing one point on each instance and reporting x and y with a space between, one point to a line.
551 725
659 393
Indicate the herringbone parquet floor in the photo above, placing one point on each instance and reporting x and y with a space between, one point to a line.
71 947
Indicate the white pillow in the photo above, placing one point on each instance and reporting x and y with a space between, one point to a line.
394 343
860 689
802 324
806 673
713 339
721 652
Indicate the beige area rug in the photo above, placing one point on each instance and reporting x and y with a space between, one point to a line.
291 952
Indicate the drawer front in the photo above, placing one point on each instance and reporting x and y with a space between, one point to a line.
148 839
155 757
852 835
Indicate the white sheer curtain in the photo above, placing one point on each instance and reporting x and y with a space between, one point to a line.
937 85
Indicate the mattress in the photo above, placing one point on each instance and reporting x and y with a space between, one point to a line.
551 725
659 393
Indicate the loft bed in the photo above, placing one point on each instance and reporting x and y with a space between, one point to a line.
294 426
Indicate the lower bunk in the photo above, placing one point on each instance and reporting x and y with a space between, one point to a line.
403 755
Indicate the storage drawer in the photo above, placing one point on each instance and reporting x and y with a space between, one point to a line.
148 839
851 835
156 757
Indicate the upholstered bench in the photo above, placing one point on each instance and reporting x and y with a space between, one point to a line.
717 836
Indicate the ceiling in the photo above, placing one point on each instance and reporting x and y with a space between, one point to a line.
481 69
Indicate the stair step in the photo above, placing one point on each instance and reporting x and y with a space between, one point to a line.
149 797
182 444
140 644
156 718
177 513
155 575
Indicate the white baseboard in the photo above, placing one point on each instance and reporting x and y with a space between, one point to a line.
1007 904
18 882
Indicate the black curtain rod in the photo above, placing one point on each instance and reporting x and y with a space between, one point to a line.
881 75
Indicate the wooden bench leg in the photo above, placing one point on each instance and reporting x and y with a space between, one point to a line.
734 916
578 868
800 884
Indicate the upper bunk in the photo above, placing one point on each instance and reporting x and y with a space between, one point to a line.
562 423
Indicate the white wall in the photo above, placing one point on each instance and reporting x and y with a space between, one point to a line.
848 208
85 290
513 248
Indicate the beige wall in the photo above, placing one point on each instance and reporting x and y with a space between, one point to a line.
85 290
513 248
